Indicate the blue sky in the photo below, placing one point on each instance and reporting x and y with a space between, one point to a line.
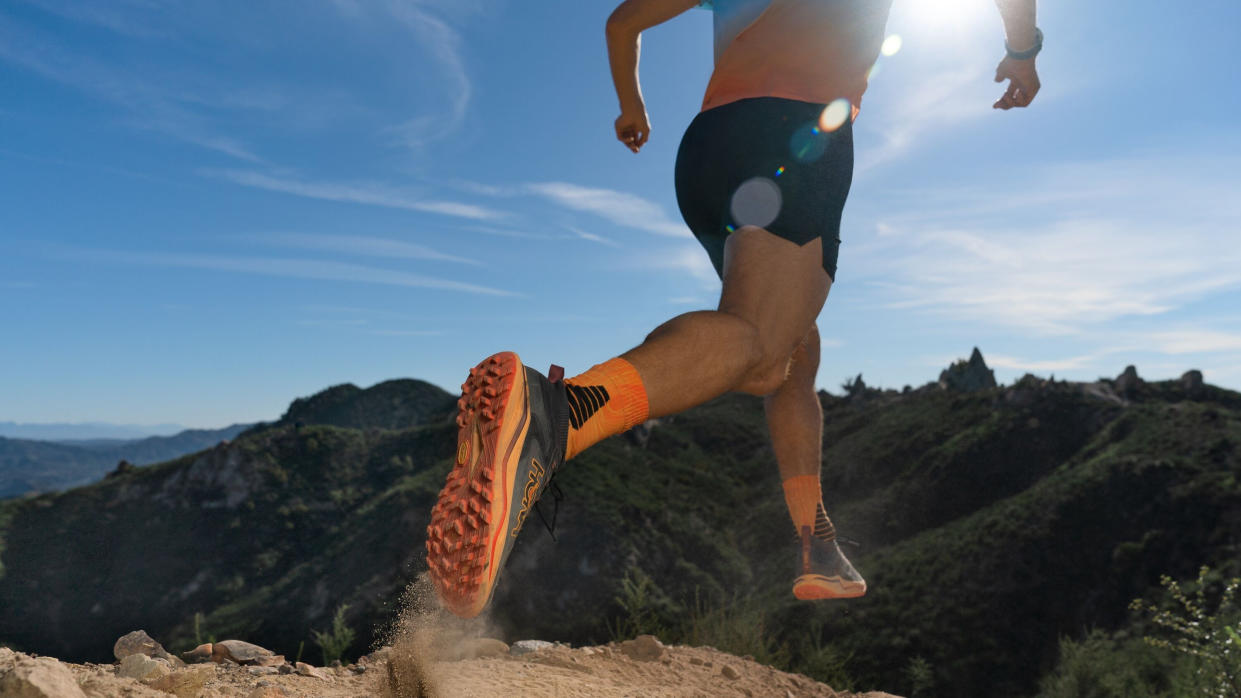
208 210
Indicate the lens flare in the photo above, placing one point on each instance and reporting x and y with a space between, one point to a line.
780 170
756 202
891 45
834 116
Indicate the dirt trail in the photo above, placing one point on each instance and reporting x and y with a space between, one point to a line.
589 672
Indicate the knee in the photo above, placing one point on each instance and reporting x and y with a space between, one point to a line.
775 368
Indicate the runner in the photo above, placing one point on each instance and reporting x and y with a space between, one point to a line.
761 178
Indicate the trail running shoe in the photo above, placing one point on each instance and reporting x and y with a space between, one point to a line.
825 572
512 431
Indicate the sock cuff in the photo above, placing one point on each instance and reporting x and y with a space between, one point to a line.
632 394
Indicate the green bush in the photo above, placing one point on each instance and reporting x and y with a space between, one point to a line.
1209 643
336 642
1102 666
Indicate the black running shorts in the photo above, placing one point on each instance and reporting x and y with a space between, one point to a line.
768 162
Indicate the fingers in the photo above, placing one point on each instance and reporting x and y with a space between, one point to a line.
633 138
1009 99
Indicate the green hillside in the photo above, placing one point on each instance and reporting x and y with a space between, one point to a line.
989 525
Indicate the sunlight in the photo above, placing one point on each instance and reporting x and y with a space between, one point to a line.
941 19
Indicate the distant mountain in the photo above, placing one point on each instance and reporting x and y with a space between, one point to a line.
41 466
989 523
85 431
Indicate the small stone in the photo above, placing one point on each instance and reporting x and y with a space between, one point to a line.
41 677
357 668
262 670
185 683
306 670
198 655
696 661
708 663
587 651
267 692
747 692
645 648
729 672
139 666
527 646
138 642
238 651
286 668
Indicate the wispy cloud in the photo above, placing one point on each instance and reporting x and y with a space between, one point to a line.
371 194
281 267
594 238
443 42
364 246
998 259
149 106
1195 341
622 208
407 333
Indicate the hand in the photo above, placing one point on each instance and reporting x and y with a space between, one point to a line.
1023 86
633 127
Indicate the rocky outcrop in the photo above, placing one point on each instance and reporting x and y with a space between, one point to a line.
1128 384
968 376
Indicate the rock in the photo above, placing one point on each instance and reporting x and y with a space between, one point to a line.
357 668
198 655
185 683
138 642
1128 383
286 668
729 672
139 666
527 646
306 670
39 677
1191 382
243 653
695 661
968 376
262 670
644 648
267 692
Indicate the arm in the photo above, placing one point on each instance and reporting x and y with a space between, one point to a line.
624 34
1018 16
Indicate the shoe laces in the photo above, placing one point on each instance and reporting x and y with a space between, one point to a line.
557 497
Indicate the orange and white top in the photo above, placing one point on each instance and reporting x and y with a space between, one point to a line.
809 50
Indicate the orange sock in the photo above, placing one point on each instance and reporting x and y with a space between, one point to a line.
804 495
606 400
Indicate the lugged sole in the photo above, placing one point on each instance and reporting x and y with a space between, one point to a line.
813 587
466 539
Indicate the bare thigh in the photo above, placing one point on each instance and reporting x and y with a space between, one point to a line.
779 288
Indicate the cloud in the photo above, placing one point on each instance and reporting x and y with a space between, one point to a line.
282 267
594 238
1063 252
1195 341
622 208
364 246
371 194
150 107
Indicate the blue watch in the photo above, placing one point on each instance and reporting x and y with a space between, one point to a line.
1030 52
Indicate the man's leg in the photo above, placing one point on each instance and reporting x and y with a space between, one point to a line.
795 421
773 291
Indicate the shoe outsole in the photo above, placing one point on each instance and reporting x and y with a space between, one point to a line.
466 540
814 587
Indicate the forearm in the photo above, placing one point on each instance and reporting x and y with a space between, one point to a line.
1019 22
624 50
